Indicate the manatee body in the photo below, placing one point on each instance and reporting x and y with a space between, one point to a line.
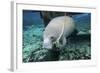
54 30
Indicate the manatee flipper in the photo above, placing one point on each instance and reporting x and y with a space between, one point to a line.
62 42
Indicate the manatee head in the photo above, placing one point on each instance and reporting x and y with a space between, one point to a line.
48 42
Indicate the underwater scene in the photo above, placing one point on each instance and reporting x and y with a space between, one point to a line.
78 46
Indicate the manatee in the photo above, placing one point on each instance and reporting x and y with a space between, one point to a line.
57 30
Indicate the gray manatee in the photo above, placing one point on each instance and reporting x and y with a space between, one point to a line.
57 30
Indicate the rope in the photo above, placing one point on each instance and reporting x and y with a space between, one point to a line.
62 31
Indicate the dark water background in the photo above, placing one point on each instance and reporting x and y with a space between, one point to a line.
78 48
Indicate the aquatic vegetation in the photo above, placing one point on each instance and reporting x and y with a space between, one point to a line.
31 41
74 50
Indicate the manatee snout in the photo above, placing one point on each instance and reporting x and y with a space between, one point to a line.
47 43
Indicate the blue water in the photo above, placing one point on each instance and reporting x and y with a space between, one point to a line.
31 18
83 21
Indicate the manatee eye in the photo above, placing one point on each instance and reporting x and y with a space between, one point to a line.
52 38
